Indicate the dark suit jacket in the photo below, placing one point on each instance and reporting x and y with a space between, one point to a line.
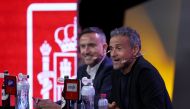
145 88
102 80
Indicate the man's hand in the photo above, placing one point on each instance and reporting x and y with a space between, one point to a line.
113 105
45 104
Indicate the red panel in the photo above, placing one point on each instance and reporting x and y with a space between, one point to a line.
13 38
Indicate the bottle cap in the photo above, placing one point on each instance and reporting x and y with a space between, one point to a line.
85 80
21 76
66 77
5 73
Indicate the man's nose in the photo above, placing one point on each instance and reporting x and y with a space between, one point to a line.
86 49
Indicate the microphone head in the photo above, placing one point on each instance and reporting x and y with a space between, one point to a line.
94 58
123 61
108 51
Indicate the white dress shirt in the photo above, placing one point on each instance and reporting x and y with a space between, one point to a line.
92 70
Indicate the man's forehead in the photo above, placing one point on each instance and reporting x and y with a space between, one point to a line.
89 38
91 35
115 44
87 41
119 41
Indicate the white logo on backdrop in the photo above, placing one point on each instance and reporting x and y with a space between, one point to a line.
43 77
48 76
66 44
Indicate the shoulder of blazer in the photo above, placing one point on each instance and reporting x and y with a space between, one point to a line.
106 66
80 70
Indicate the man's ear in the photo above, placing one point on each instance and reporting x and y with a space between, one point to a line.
105 46
136 50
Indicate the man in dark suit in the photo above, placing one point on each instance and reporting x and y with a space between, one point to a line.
97 66
136 84
93 46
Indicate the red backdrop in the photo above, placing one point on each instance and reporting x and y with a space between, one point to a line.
21 39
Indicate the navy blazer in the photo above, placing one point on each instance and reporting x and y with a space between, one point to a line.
145 88
102 80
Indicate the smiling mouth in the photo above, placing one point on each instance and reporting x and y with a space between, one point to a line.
116 61
88 57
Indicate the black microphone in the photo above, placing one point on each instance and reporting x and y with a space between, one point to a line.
71 92
72 89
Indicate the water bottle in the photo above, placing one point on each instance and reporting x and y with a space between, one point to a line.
22 92
103 102
5 98
82 106
88 93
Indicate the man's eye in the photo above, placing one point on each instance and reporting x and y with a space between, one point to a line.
82 46
119 48
92 45
110 49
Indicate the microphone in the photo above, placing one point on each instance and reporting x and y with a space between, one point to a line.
94 58
72 89
123 61
108 51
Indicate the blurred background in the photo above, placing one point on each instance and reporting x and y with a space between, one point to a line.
163 26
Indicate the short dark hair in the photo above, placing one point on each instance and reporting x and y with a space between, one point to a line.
133 36
94 30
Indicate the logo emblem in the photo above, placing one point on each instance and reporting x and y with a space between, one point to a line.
51 47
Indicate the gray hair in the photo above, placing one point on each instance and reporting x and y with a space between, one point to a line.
133 36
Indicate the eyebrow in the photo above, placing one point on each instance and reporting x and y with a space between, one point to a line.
117 45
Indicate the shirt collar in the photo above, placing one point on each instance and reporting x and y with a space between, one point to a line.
92 70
